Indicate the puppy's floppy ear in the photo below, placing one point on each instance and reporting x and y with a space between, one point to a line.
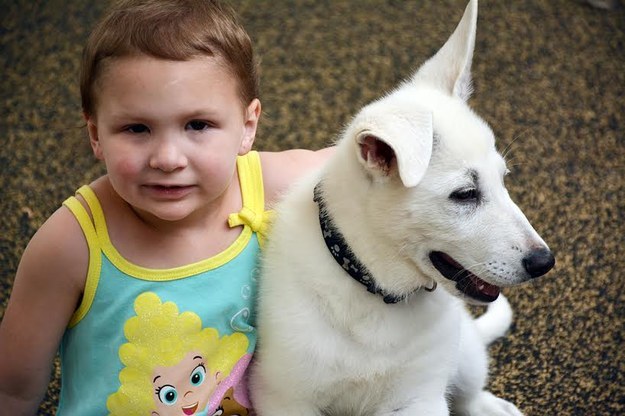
450 68
395 144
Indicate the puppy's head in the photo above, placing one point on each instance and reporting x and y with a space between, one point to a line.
437 178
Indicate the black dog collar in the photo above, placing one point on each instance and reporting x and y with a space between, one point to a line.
343 254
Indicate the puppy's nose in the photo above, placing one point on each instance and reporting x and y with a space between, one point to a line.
539 262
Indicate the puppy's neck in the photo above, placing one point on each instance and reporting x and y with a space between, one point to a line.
345 257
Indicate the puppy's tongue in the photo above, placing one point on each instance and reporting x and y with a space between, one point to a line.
478 285
482 287
466 282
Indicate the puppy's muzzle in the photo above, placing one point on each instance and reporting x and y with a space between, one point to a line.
538 262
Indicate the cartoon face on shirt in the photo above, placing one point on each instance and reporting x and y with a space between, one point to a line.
172 364
185 388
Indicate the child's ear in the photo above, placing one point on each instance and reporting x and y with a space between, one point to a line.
94 139
252 115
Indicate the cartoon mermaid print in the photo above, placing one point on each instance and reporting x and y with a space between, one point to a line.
172 364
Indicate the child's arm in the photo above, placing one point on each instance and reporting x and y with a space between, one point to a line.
281 169
47 290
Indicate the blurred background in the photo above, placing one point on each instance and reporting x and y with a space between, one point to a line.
549 77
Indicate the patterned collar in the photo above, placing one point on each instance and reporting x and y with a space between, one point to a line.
344 256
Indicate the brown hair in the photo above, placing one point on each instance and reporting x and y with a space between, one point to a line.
175 30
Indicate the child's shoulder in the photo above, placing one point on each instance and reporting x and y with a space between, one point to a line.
57 254
281 169
59 248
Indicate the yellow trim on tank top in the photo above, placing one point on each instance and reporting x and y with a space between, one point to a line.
145 273
95 259
253 213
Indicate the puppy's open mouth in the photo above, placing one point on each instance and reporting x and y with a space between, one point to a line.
466 282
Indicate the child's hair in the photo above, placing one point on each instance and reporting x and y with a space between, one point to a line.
176 30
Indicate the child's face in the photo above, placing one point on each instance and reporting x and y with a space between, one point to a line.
169 133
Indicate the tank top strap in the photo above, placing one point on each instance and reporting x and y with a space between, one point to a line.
96 209
253 213
95 258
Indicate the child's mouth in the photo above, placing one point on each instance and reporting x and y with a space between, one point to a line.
169 190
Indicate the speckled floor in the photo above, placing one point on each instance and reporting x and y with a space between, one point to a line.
549 78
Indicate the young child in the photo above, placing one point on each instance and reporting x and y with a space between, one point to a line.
145 278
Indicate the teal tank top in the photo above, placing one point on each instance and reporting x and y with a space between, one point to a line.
164 342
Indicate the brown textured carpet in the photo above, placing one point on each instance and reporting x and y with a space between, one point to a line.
549 78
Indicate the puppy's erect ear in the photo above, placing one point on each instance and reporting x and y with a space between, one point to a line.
450 68
395 144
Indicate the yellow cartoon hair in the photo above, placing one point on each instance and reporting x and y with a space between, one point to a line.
158 336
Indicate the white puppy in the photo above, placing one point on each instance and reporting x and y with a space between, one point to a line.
368 264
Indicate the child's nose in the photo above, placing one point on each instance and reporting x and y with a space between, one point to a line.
167 154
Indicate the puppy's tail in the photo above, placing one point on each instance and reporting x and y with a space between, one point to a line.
495 321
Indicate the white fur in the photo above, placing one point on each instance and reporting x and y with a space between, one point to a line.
329 347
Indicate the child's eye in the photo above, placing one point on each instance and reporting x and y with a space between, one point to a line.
137 128
198 125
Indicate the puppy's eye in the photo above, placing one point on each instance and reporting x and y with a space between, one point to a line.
465 195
